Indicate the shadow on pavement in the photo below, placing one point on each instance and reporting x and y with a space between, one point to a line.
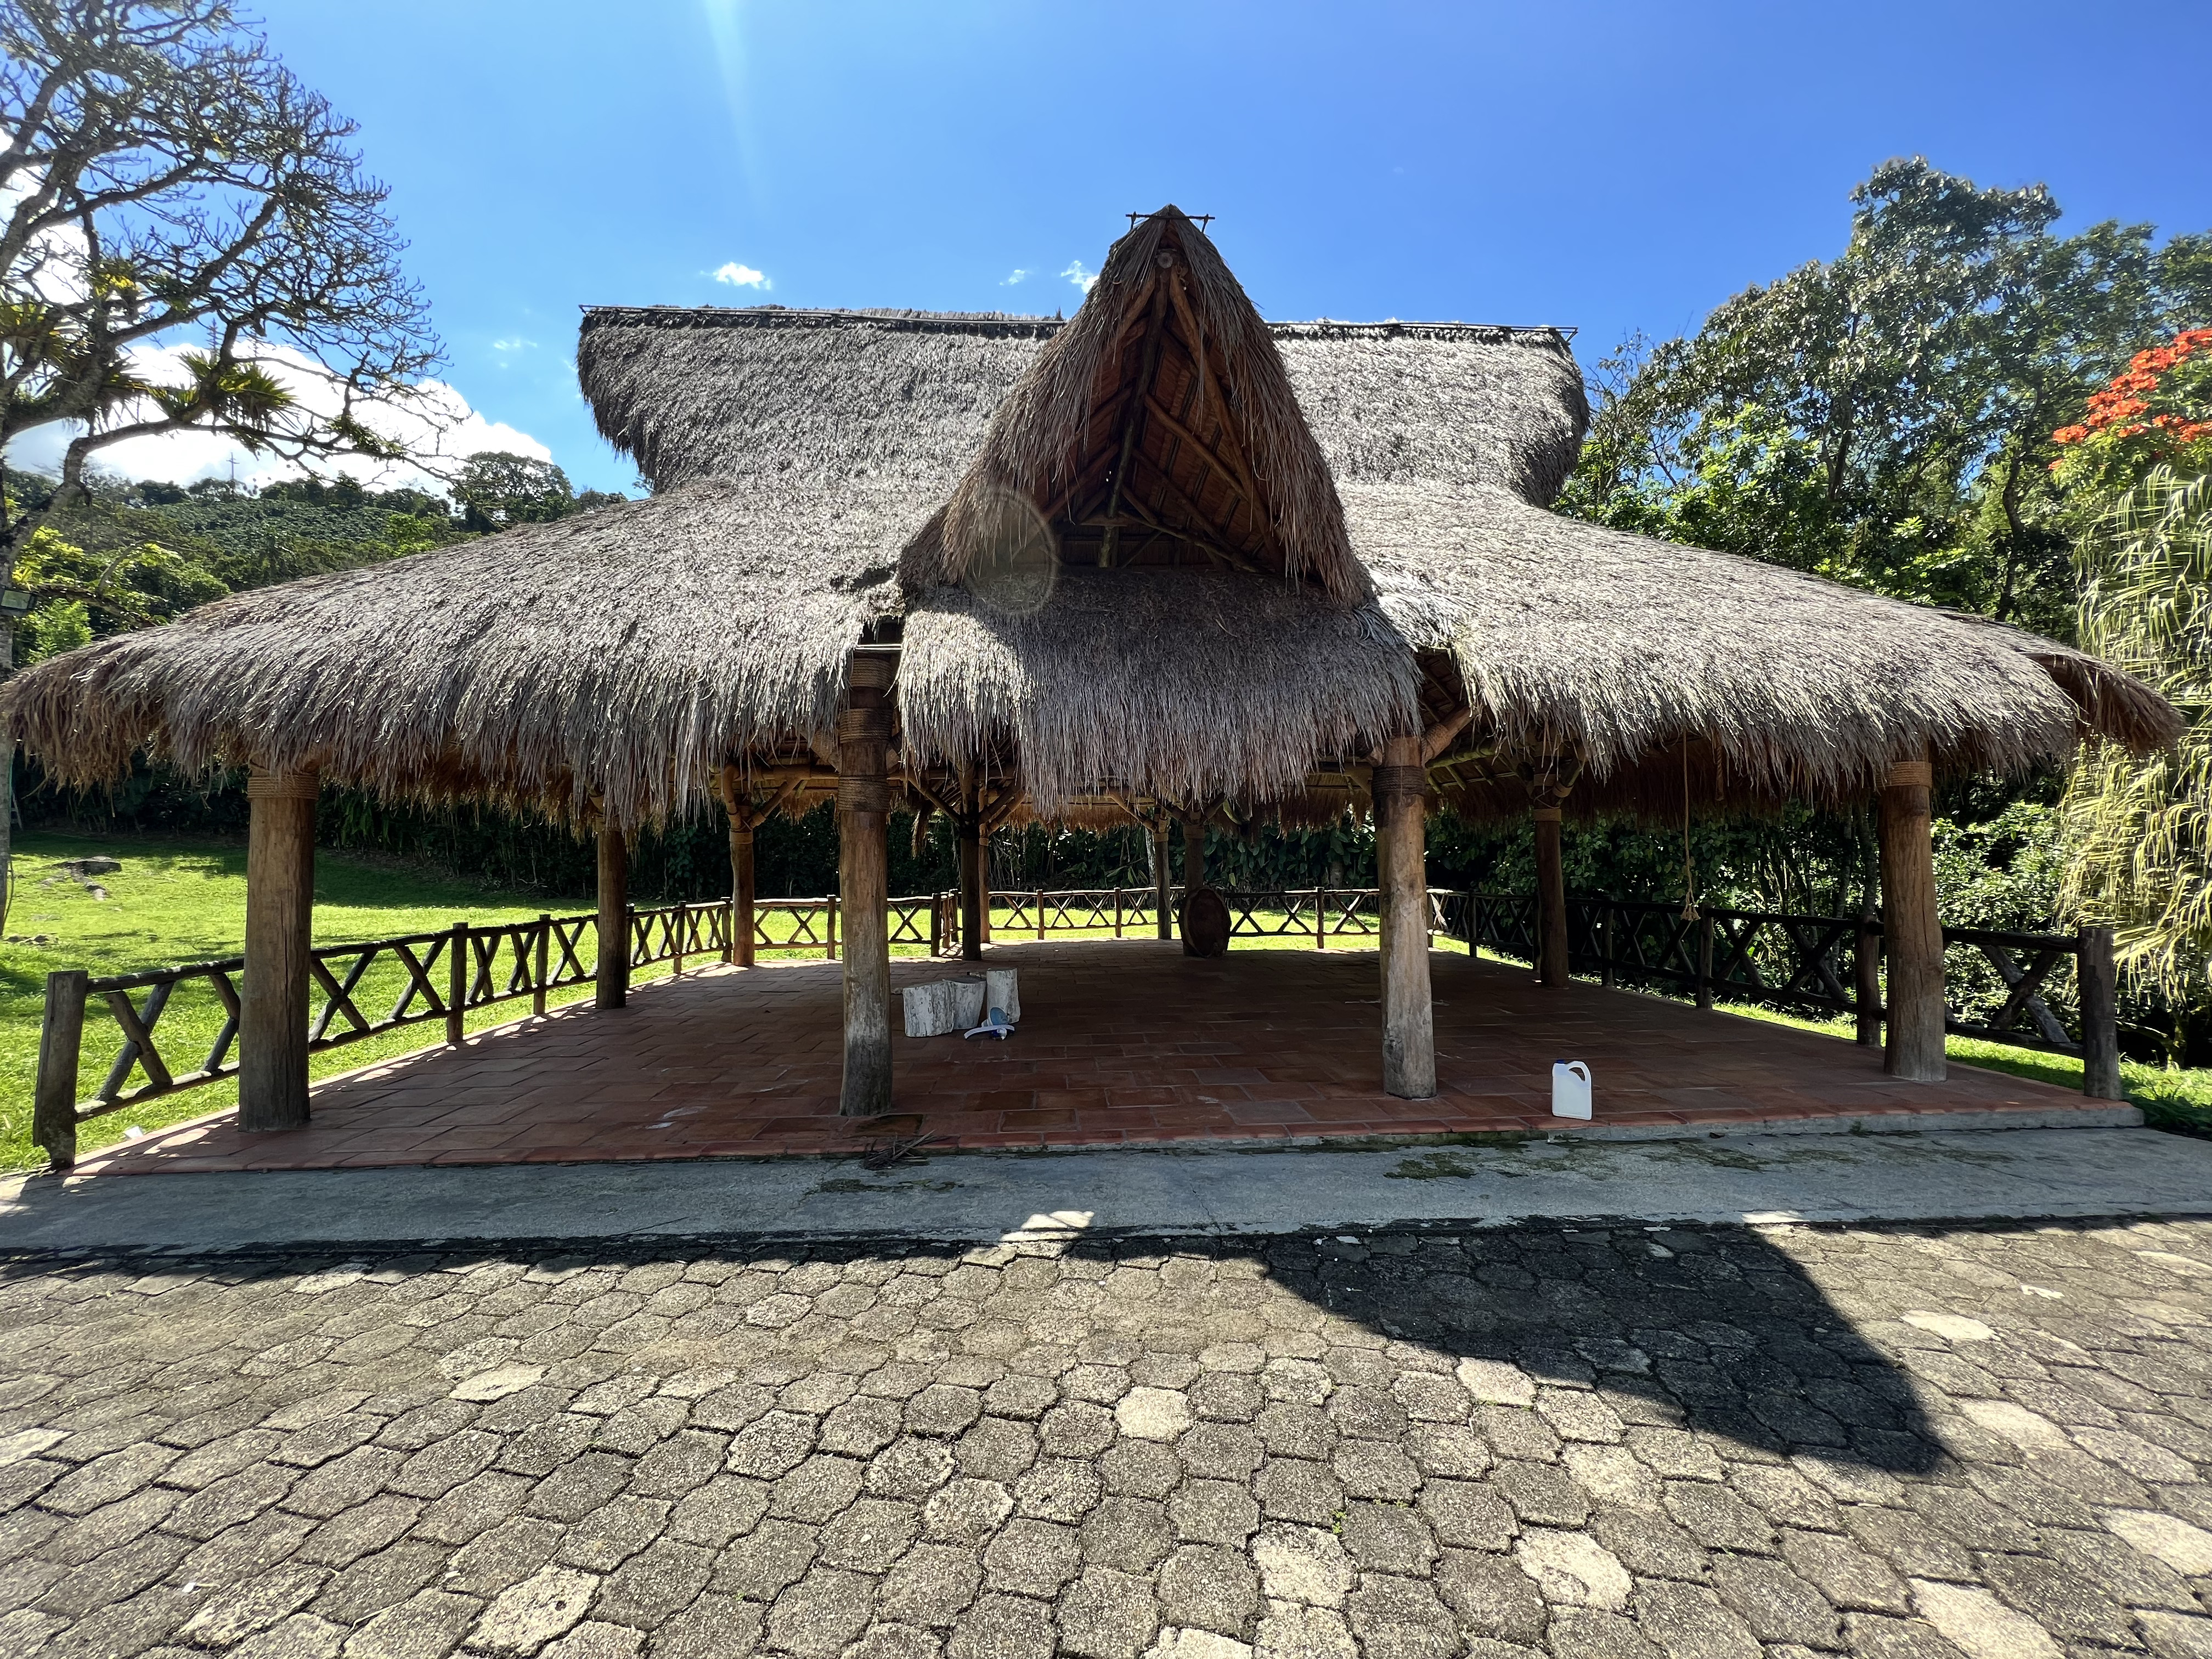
1715 1329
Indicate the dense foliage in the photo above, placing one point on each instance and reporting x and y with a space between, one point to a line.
2139 831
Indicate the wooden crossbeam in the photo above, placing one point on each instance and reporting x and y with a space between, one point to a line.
1220 468
1132 422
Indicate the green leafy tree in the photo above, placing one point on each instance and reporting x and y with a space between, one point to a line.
2140 830
496 489
1884 417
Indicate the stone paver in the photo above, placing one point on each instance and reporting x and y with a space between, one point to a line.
1758 1442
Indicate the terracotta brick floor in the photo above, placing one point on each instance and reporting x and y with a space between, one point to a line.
1120 1043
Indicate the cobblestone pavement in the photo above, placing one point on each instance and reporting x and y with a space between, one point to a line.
1610 1442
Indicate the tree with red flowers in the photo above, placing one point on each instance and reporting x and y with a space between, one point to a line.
2158 413
2139 831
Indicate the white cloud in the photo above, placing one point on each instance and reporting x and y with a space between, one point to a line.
1082 278
440 429
738 275
518 343
1018 275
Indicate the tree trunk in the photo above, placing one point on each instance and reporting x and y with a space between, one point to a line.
737 805
280 919
863 886
612 986
1409 1043
1551 901
1159 832
7 761
2098 981
1912 933
969 838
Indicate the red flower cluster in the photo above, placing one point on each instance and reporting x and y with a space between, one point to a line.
2118 410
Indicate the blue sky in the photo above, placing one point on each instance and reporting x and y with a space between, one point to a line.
1610 166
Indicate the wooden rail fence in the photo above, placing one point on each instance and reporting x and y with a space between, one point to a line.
2051 992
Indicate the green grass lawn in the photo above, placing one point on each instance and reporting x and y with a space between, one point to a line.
2179 1101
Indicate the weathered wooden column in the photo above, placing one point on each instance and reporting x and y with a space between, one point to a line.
280 917
1551 900
863 885
1912 934
1160 904
736 802
2098 976
1409 1042
612 985
967 833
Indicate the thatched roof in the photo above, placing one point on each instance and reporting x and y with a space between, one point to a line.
1309 534
619 653
1159 425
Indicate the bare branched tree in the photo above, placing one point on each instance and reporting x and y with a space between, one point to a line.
188 240
166 181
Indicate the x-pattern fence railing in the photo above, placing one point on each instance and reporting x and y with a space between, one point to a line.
2018 988
1321 914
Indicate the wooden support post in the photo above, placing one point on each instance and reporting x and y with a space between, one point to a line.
1160 907
863 883
1704 961
738 805
280 919
969 836
1551 901
1321 918
457 983
936 925
1117 913
1912 933
61 1040
1409 1042
1040 905
2098 981
1473 925
1866 981
611 989
679 921
542 966
1605 911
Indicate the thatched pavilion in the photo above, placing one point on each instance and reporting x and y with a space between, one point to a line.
1160 558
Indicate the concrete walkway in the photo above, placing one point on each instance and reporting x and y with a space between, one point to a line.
988 1196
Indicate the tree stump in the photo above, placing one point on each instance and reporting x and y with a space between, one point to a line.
1205 923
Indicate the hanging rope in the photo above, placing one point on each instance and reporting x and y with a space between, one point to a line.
1689 865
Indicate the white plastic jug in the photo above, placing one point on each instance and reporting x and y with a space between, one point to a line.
1570 1089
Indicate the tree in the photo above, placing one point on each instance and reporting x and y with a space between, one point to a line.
496 489
187 239
1884 417
2140 830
